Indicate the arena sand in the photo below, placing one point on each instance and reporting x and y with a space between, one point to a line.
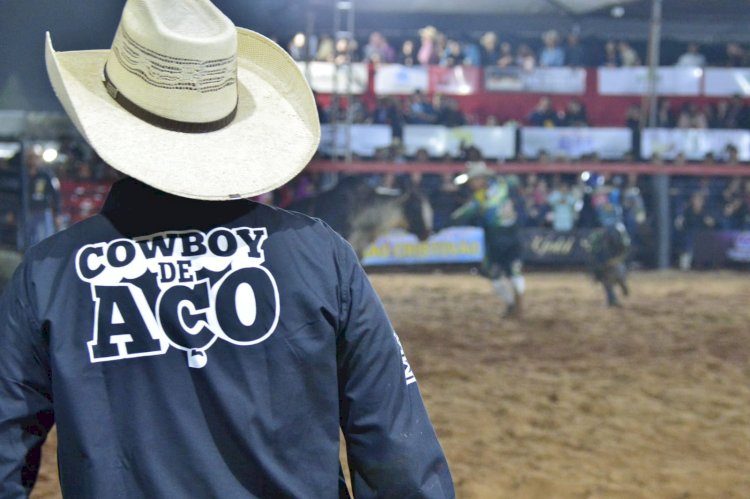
578 400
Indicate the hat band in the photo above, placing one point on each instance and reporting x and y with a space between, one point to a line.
160 121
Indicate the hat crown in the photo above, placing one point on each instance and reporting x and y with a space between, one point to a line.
476 169
176 59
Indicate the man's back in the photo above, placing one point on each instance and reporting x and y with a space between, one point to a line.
209 349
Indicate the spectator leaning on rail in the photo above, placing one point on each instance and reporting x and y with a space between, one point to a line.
692 58
196 344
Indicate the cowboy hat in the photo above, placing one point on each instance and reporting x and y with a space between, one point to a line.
474 169
189 104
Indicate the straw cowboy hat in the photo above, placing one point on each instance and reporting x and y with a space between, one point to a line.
189 104
475 169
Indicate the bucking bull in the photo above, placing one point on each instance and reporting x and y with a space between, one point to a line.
361 213
9 260
357 211
608 248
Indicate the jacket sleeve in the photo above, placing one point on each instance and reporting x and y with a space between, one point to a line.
25 393
391 445
466 213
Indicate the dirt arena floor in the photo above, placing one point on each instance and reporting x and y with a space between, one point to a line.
578 400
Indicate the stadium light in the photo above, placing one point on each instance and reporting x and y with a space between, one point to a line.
49 155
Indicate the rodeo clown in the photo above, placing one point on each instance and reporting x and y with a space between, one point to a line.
189 343
493 208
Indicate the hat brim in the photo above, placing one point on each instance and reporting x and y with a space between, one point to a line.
273 136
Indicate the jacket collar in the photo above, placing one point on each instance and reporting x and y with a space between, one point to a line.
135 208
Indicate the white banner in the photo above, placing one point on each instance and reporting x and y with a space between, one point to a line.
725 82
493 141
365 139
540 80
431 138
694 144
394 79
605 143
326 78
634 81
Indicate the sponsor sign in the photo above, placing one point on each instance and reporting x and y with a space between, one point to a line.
694 144
606 143
458 80
393 79
546 246
327 78
457 245
635 81
540 80
453 245
725 82
365 140
494 142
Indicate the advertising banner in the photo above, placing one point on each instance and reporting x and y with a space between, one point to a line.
694 144
606 143
495 142
634 81
540 80
395 79
546 246
365 139
431 138
453 245
327 78
458 80
461 245
721 248
725 82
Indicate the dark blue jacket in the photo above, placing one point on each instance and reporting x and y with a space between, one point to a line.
191 349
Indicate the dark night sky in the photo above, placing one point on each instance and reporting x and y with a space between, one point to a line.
90 24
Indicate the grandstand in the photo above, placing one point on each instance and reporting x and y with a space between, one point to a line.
585 113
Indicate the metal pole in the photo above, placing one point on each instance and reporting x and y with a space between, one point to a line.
660 183
24 220
349 77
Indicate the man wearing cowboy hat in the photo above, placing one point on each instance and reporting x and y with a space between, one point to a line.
492 207
187 342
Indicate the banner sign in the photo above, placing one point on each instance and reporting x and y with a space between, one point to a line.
606 143
327 78
497 142
719 248
725 82
395 79
694 144
634 81
457 245
452 245
365 139
547 246
458 80
540 80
